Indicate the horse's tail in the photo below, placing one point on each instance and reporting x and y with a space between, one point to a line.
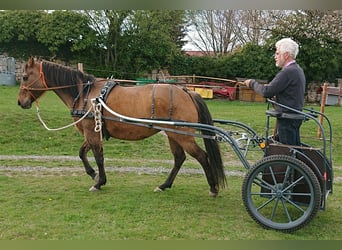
211 146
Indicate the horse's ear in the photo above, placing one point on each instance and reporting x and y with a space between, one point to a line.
31 61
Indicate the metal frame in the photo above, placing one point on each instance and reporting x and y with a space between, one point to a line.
326 139
251 137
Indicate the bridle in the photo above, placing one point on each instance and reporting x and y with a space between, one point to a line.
45 87
29 87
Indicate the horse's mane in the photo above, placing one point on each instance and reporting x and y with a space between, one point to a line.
60 75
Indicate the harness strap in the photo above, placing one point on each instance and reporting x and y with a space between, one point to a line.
170 105
107 88
103 95
41 75
85 91
171 102
85 99
152 105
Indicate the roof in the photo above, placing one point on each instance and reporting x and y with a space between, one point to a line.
198 53
334 91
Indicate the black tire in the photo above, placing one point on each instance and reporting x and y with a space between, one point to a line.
281 192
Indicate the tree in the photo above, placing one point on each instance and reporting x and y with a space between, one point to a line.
137 41
18 33
252 61
65 33
222 31
319 34
153 39
212 30
254 26
108 25
57 34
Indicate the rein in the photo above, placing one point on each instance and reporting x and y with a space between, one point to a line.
45 87
64 127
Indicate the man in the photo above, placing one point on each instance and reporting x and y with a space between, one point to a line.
287 88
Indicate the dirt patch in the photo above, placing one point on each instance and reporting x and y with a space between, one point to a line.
65 170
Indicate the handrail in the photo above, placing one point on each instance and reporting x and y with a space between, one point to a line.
311 116
307 115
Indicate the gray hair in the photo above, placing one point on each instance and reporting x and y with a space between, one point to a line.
288 45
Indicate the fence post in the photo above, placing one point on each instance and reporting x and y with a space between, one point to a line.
339 84
80 66
323 100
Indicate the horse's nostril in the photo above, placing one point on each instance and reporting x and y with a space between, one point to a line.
19 103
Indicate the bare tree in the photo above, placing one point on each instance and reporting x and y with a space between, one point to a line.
320 23
212 30
254 26
221 31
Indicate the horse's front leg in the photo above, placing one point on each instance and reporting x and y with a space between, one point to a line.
97 150
98 154
83 155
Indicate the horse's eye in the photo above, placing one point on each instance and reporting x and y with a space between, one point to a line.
25 78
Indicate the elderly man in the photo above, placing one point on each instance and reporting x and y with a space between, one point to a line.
287 88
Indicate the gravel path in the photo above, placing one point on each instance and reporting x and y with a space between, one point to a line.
40 170
60 170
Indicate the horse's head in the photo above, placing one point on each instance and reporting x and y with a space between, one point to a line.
32 85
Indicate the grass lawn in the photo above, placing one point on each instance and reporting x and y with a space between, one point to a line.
43 204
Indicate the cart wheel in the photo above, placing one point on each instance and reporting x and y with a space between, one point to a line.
281 192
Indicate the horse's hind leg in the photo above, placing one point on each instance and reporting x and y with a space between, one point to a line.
179 158
192 148
83 155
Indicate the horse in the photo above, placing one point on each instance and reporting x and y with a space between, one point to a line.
157 101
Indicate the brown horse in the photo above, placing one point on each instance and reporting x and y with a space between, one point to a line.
153 101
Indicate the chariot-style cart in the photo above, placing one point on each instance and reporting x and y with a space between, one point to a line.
285 188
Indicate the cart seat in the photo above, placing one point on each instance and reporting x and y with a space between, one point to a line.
278 114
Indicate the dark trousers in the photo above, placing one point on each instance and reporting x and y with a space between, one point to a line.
288 131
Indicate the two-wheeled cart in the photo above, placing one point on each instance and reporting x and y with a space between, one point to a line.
285 188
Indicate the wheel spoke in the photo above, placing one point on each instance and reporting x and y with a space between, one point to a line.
273 175
265 203
293 183
300 194
294 204
274 209
263 183
286 210
287 174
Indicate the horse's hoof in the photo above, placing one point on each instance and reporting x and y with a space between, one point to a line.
93 189
212 194
158 189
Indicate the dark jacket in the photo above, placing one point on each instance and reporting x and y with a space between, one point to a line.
288 87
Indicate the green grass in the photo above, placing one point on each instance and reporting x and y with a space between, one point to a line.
42 204
59 207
